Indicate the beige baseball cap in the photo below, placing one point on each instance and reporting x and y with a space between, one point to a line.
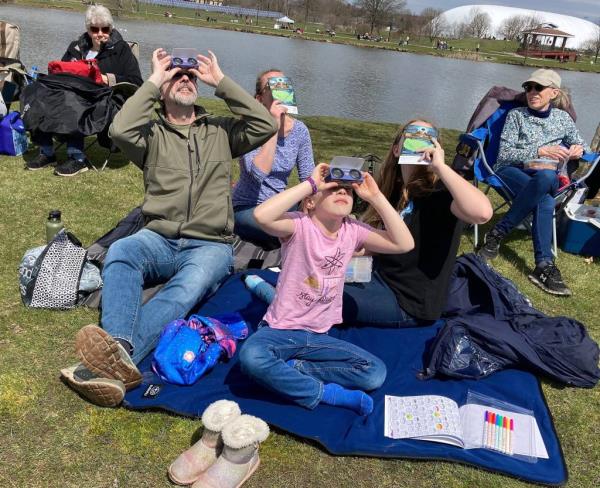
545 77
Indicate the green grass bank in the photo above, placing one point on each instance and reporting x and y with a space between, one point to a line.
493 51
50 437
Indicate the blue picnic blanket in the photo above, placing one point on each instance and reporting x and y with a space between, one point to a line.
341 431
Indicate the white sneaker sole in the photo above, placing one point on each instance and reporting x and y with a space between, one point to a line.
534 280
66 175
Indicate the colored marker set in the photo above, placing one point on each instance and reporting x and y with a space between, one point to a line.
498 432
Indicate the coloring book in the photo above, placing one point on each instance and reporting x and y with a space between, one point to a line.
439 419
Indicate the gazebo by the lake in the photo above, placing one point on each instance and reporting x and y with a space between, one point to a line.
546 41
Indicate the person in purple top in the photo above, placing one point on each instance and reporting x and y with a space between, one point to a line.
264 172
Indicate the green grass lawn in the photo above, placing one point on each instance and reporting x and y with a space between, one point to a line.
50 437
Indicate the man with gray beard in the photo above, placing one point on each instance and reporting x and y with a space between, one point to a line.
186 156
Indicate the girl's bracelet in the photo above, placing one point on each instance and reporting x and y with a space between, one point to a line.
312 184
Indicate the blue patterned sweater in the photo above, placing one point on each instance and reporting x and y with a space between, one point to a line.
524 133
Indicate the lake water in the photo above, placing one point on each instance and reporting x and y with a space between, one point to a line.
330 79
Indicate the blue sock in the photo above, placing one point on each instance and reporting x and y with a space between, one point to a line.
359 401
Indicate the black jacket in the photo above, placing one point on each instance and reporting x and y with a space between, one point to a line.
491 326
68 105
115 58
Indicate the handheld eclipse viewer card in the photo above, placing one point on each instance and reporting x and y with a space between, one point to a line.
282 90
345 170
184 58
415 139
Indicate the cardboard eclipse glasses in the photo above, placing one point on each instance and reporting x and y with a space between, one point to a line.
183 58
345 170
420 131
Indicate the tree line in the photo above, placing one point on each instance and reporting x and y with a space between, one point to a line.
371 16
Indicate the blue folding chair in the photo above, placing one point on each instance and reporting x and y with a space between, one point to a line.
485 142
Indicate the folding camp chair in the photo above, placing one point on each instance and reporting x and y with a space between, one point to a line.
484 142
13 75
135 49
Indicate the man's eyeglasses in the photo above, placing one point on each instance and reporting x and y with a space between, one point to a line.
180 74
95 29
534 86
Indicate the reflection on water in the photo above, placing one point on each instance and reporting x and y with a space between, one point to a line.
330 79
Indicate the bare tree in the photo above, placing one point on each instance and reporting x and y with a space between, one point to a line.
458 30
512 27
335 13
534 20
479 23
434 23
376 11
593 44
308 4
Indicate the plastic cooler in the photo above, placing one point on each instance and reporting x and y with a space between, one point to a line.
579 229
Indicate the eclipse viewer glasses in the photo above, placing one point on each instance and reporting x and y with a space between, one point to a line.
345 170
183 58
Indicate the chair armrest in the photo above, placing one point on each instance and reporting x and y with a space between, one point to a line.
472 139
590 157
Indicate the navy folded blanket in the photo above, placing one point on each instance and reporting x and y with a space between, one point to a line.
341 431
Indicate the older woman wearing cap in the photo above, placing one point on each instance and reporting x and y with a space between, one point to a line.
540 131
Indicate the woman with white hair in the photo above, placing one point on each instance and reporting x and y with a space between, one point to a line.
101 42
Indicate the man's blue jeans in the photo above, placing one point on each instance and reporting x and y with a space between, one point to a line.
191 268
320 359
374 304
248 229
533 190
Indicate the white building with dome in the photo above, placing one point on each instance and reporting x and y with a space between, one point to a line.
582 30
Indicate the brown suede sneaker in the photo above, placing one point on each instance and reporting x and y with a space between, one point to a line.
104 392
105 357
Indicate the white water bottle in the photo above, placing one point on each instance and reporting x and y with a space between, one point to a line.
34 72
3 109
259 287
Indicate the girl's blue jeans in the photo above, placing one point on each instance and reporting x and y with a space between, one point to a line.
319 359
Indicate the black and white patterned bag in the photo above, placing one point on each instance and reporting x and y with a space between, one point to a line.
51 280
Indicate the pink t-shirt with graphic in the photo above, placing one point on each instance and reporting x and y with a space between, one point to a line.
310 287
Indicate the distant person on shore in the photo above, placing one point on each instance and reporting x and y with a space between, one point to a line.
435 203
186 157
539 131
264 172
101 42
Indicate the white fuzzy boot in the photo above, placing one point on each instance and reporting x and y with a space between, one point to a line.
239 458
191 463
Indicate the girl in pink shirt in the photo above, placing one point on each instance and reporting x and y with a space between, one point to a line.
291 352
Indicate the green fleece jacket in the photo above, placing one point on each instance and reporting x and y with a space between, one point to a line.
187 178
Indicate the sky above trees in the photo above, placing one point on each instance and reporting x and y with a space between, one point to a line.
589 9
